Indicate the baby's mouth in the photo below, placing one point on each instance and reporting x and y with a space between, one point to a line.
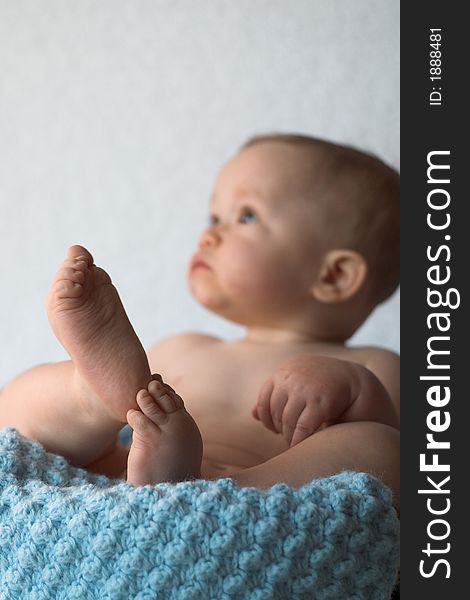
198 263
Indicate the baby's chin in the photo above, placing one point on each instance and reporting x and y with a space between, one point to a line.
207 298
230 306
217 304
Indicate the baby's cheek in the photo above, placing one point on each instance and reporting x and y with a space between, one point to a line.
244 271
255 276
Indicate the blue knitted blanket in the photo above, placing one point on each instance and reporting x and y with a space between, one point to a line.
65 534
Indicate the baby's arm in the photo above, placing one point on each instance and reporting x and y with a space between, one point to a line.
386 366
308 391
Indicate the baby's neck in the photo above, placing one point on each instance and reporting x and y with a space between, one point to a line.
283 336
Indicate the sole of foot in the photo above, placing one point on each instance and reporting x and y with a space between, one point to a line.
88 318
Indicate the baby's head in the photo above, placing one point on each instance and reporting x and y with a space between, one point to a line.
304 235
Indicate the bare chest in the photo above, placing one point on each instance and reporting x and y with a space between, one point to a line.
222 383
220 386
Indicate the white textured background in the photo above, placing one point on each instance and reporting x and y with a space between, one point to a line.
115 117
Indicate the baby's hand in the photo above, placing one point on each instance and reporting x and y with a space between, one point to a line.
308 391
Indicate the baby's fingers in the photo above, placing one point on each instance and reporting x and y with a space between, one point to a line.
290 416
299 421
306 425
263 407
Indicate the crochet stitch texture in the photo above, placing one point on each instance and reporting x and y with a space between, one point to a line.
67 534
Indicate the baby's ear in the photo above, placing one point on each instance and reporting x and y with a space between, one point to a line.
341 275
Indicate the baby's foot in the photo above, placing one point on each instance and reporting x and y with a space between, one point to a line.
166 443
89 320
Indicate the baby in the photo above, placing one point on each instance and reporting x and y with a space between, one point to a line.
302 245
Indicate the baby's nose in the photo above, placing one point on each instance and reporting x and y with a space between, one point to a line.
209 238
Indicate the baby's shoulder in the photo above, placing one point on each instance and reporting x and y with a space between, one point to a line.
385 365
168 354
374 355
181 342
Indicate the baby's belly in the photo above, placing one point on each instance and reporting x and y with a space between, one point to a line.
228 450
214 470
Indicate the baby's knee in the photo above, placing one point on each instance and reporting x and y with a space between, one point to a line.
379 445
368 447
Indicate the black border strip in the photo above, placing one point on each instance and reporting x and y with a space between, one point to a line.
434 123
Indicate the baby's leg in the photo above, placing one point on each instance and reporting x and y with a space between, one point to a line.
76 408
50 403
361 446
166 443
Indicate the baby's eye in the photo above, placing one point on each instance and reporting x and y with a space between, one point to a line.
213 220
247 215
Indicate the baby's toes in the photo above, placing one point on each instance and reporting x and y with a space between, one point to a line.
141 424
68 283
78 264
136 420
77 252
71 274
151 408
166 397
